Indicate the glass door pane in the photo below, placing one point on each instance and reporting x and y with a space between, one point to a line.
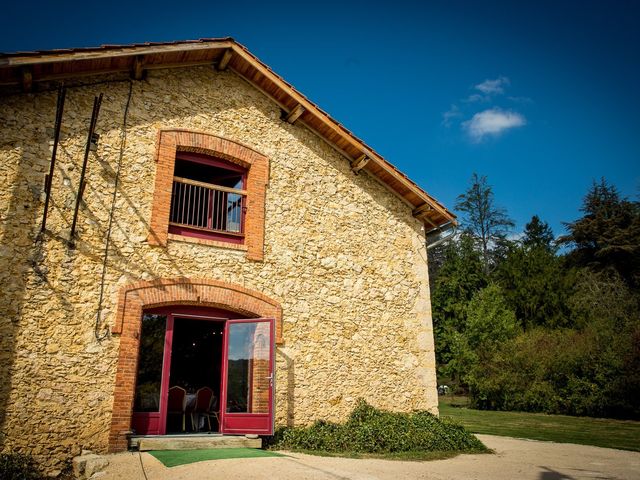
249 376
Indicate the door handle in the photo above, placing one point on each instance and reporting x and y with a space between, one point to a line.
270 378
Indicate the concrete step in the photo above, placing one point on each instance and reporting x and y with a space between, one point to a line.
88 465
193 442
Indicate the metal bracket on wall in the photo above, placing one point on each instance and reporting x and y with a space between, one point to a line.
62 93
90 139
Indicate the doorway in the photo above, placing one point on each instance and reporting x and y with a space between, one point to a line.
202 370
196 371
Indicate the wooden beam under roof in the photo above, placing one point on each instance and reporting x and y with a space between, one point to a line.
359 163
422 209
90 73
430 222
224 61
295 114
27 79
126 51
137 70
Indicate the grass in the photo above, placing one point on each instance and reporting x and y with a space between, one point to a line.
172 458
621 434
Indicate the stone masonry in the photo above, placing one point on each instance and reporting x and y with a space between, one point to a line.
342 256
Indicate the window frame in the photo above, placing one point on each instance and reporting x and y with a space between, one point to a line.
207 233
173 143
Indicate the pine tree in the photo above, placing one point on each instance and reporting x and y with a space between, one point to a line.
538 234
483 220
608 234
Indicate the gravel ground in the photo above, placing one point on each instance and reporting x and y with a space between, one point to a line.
513 459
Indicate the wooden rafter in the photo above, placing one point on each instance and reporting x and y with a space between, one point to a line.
295 114
359 163
430 222
27 79
137 69
224 61
422 209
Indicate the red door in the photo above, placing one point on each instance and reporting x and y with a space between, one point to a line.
247 372
248 377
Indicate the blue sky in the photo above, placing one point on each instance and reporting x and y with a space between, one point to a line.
541 97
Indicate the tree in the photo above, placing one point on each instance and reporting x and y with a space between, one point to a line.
538 234
608 313
608 234
483 220
461 276
591 369
534 282
437 256
490 322
536 286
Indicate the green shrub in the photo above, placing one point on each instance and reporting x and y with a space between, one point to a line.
17 466
369 430
591 372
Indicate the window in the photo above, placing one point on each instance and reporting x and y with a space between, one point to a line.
208 190
208 199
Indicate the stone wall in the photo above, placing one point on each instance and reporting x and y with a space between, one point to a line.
342 255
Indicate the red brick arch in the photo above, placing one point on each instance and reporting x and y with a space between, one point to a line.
171 141
135 297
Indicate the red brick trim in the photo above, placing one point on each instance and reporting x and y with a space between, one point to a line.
171 141
207 241
135 297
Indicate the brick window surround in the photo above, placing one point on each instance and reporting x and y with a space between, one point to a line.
172 141
136 297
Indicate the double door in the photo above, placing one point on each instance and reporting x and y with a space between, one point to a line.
241 371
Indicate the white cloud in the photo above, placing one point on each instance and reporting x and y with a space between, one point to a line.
478 114
492 122
493 87
449 115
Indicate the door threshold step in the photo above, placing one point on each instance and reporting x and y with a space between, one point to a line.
192 442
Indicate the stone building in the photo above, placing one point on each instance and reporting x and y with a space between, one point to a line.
224 232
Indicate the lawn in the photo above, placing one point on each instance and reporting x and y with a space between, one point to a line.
622 434
172 458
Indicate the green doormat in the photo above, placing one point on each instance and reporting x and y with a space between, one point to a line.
172 458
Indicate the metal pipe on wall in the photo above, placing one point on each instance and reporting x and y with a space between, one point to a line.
90 138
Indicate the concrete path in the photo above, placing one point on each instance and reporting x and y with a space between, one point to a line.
514 459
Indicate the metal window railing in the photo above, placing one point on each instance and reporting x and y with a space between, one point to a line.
208 207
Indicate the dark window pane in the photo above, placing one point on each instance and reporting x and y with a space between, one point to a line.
150 363
208 174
